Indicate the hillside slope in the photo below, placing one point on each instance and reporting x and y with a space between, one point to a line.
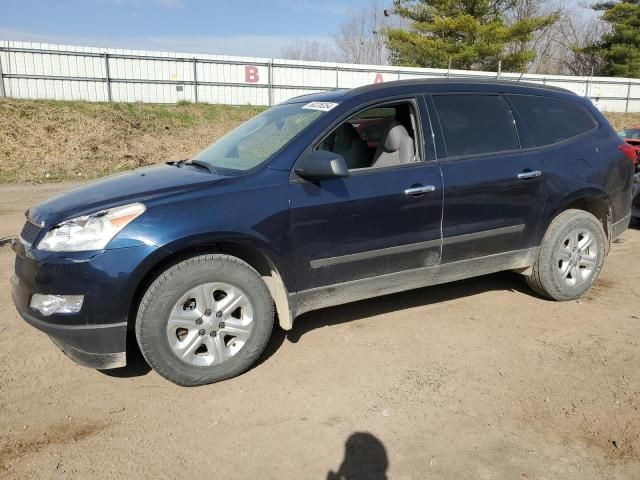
53 141
47 141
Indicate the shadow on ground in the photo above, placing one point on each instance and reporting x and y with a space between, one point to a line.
504 281
137 366
365 458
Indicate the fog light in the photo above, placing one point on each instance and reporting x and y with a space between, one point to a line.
50 304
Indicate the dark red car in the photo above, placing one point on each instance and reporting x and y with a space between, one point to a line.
632 137
371 130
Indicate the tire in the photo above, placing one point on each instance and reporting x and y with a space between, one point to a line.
635 208
205 319
570 257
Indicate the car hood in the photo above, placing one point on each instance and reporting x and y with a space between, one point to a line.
139 185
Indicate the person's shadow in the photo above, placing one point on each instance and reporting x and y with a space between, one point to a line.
364 458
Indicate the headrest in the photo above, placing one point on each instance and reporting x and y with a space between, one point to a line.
394 135
345 136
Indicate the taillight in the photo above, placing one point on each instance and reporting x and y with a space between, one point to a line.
630 152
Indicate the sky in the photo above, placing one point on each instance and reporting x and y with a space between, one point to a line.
230 27
225 27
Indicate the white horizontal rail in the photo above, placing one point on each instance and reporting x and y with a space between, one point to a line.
63 72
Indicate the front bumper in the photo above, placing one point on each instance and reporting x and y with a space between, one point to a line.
96 336
97 346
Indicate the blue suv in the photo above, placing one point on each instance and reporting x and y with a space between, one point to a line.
298 209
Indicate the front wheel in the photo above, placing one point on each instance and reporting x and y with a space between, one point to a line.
205 319
570 257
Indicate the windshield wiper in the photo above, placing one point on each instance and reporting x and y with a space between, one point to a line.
199 163
178 163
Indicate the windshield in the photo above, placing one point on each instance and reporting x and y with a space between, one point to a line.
630 133
256 140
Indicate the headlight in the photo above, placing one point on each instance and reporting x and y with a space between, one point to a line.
90 232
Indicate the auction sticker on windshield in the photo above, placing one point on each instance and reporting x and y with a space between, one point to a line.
322 106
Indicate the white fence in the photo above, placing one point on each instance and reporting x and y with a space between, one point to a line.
63 72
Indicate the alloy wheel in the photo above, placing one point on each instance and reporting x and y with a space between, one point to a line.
210 323
577 257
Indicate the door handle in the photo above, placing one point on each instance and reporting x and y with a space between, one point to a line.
528 174
414 191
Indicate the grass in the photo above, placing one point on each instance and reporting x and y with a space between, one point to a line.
49 141
623 120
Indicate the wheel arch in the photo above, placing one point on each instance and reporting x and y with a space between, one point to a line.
596 202
253 256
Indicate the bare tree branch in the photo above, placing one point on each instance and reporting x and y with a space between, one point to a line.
361 38
310 50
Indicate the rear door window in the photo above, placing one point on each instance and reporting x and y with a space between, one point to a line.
551 120
475 124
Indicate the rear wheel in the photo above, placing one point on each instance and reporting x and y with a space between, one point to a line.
205 319
635 208
570 257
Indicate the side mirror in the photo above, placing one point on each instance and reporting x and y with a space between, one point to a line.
322 164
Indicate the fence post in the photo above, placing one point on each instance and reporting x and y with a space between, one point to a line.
499 69
398 74
270 82
107 75
2 91
626 105
337 77
195 80
586 88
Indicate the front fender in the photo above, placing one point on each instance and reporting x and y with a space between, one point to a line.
252 212
275 270
280 259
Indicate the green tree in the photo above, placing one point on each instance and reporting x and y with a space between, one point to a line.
620 46
473 34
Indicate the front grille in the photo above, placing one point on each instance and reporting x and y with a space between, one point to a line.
30 232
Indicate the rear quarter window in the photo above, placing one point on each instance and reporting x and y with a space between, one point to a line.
551 120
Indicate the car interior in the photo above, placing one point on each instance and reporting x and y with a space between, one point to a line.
376 137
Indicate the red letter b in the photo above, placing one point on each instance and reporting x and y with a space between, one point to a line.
251 74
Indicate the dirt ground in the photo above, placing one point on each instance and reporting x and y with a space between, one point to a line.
475 379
